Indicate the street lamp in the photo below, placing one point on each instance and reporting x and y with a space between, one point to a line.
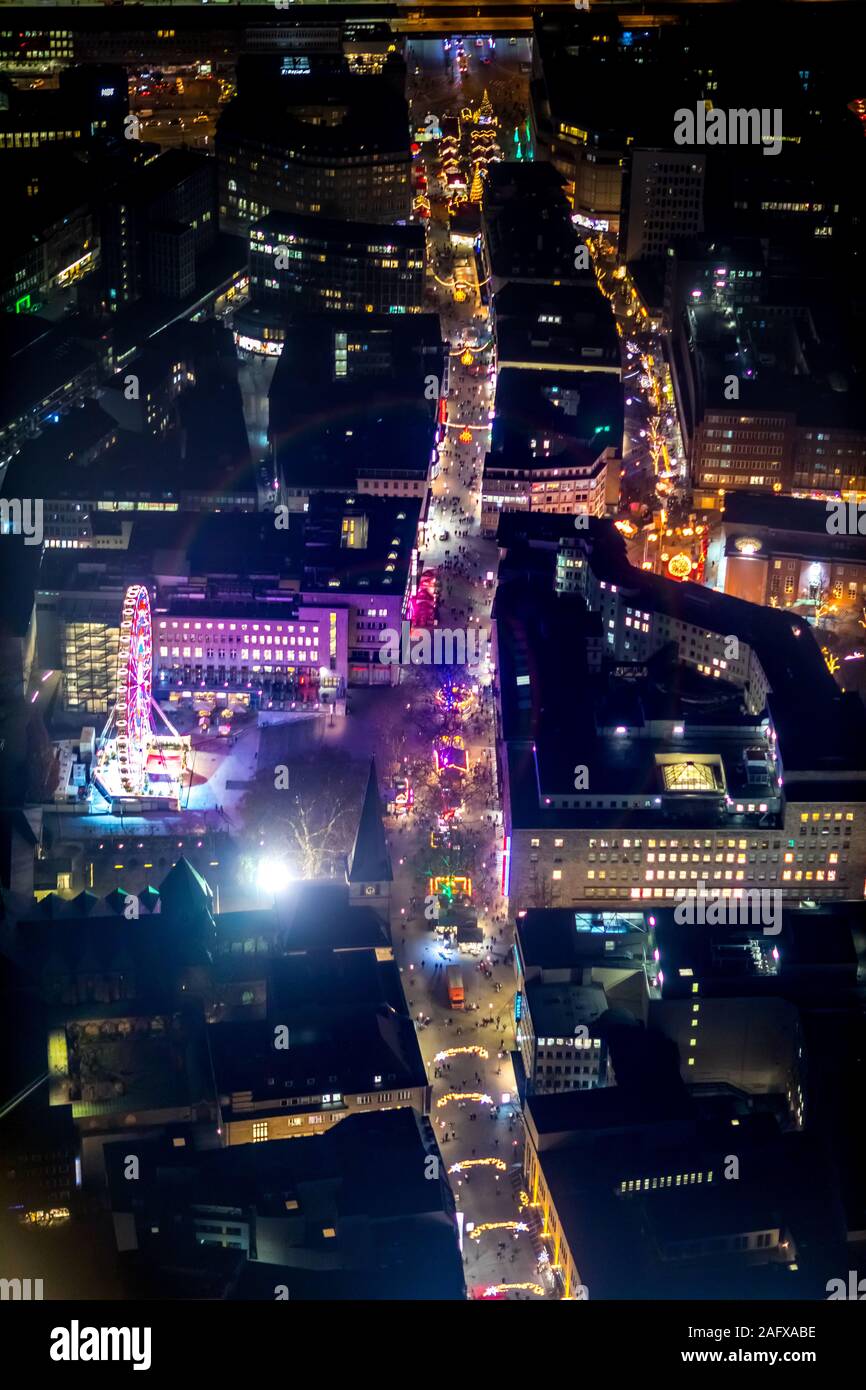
273 876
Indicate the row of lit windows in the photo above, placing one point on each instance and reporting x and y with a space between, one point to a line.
729 448
669 1180
256 642
635 857
32 138
720 858
607 891
741 478
258 654
681 844
232 627
764 422
664 893
832 858
57 50
738 877
818 875
617 875
321 249
753 858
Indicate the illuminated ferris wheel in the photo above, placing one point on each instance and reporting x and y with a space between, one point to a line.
134 689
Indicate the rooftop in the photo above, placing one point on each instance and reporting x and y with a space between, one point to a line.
40 359
339 1042
560 938
348 399
784 363
279 564
153 1062
580 414
19 577
814 952
307 917
85 457
654 729
311 228
345 1215
337 116
528 232
787 525
370 861
542 325
558 1009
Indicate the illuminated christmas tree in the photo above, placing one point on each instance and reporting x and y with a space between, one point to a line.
476 192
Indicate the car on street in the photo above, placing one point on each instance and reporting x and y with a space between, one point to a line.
456 993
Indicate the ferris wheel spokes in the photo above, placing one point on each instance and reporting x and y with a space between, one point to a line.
134 693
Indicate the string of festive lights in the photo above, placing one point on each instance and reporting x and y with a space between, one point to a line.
478 1163
461 1051
464 1095
450 284
478 1231
464 347
493 1289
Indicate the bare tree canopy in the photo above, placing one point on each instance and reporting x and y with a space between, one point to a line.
310 814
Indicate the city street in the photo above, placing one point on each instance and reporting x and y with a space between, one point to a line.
646 376
491 1128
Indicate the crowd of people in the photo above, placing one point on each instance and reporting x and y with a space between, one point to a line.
456 550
